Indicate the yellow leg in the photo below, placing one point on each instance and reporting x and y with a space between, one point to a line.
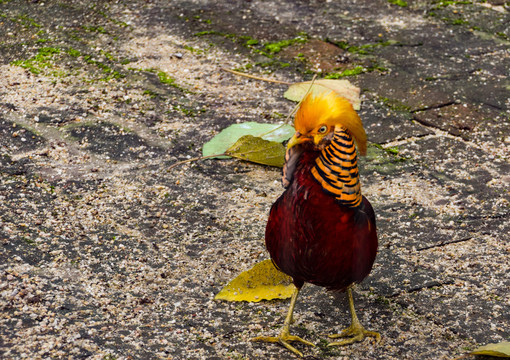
355 332
285 338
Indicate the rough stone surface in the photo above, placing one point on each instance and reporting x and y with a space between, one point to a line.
104 254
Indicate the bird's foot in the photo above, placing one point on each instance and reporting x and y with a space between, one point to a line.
284 339
355 332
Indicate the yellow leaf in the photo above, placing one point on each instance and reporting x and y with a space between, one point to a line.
501 349
262 282
342 87
257 150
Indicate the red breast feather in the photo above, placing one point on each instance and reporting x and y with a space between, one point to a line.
314 239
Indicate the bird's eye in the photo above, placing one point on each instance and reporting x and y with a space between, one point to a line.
323 129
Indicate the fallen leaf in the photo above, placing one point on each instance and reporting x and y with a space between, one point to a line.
228 136
262 282
501 349
343 87
258 150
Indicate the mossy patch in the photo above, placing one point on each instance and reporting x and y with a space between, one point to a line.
105 68
442 4
164 78
354 71
41 61
400 3
276 47
47 59
395 104
26 21
382 160
361 49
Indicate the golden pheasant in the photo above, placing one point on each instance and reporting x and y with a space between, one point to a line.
322 230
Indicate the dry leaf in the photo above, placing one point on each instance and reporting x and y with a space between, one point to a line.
262 282
257 150
228 136
342 87
501 349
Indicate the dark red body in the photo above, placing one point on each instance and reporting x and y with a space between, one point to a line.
313 239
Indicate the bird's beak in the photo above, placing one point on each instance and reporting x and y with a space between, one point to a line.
297 139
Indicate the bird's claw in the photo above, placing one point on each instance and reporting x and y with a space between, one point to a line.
284 339
355 333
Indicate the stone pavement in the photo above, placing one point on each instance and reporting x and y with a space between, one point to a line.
104 254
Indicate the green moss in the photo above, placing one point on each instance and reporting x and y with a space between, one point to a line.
278 115
98 29
209 32
457 21
150 93
166 79
26 21
380 160
400 3
348 72
108 55
276 47
392 150
363 49
186 111
73 52
163 77
355 71
442 4
108 17
29 241
193 50
395 104
251 42
502 35
244 67
73 35
40 62
111 73
382 300
327 350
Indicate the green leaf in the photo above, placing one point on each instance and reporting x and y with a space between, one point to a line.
262 282
258 150
344 88
227 137
501 349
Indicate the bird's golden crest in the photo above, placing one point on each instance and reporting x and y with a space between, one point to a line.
331 110
329 122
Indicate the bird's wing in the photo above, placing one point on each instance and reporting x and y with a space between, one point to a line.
291 158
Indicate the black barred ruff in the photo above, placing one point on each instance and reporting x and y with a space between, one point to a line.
336 169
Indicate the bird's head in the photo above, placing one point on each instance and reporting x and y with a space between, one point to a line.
318 116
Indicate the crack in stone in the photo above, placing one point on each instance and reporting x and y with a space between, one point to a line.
439 106
444 243
427 285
